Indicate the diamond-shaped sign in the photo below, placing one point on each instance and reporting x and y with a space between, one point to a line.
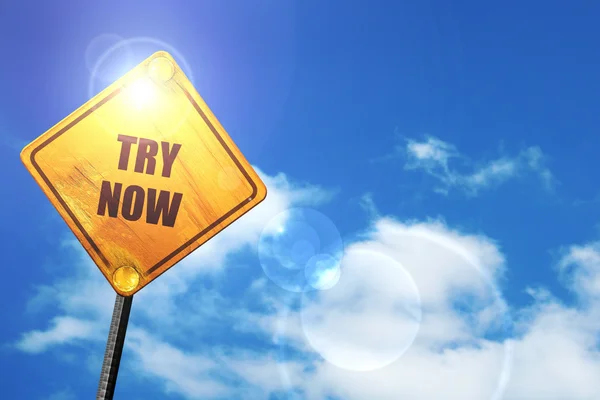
143 174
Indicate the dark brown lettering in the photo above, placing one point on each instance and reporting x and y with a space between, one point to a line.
132 209
169 157
126 141
147 150
164 206
110 199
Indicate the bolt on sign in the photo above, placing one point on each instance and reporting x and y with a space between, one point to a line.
143 174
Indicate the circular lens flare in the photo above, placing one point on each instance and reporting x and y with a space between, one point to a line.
111 67
369 318
322 272
300 249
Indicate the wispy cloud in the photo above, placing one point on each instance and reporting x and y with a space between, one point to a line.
368 205
455 171
186 373
580 269
63 330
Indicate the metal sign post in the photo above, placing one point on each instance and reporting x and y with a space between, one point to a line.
114 347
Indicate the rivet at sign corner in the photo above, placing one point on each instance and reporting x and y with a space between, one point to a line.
126 278
161 68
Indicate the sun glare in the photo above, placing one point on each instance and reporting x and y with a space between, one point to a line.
141 92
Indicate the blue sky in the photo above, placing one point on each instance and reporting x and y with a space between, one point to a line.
451 145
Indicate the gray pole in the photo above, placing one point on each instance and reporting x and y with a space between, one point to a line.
114 348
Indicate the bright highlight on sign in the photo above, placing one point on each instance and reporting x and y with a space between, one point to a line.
143 174
141 92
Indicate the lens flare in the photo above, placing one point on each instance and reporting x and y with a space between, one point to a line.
322 271
300 249
113 66
141 93
344 324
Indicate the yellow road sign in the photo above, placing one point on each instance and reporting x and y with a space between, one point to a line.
143 174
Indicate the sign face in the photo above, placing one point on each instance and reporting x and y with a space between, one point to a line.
143 174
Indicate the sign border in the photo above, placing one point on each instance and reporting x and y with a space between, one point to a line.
195 238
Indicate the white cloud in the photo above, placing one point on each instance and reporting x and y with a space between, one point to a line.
263 372
369 319
432 152
554 354
63 330
464 346
435 157
183 373
580 267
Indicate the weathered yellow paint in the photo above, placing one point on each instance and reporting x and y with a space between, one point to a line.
154 101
